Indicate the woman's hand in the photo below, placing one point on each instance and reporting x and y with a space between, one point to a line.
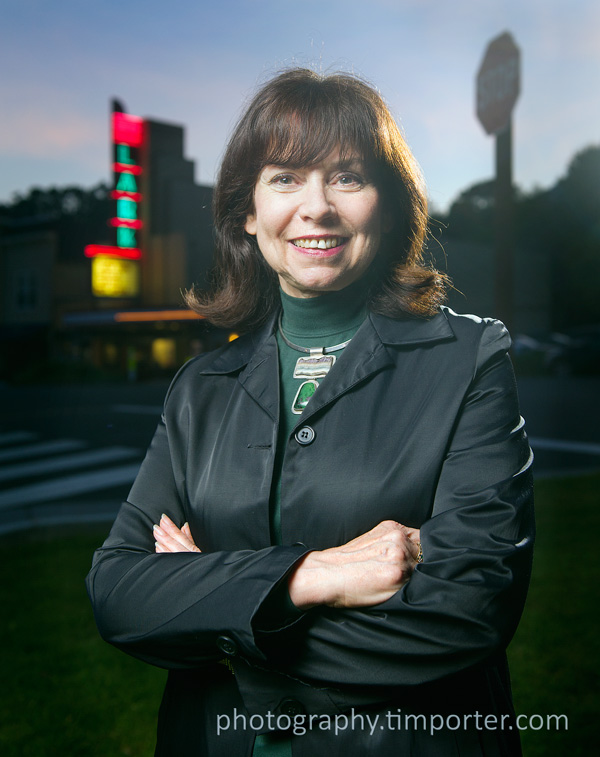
366 571
169 538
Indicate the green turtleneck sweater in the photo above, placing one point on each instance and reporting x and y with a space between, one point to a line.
324 321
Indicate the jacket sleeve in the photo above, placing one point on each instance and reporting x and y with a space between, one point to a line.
464 601
183 609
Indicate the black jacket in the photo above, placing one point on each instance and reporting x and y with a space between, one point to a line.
418 422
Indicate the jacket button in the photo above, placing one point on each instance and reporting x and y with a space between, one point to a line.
305 435
291 707
227 646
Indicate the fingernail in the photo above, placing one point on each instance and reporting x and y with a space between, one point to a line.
158 530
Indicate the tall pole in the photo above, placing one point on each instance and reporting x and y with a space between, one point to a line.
498 87
504 229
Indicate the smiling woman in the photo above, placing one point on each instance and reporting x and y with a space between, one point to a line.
333 524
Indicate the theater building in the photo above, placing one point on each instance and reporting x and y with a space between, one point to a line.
104 293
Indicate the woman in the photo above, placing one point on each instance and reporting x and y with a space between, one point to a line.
329 542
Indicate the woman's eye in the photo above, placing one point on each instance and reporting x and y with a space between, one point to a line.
283 180
349 180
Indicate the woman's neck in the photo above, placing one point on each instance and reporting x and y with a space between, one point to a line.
327 314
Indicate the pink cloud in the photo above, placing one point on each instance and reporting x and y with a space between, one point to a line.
36 131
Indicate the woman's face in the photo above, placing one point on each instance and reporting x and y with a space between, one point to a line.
318 227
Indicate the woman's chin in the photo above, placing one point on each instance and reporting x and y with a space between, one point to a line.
313 287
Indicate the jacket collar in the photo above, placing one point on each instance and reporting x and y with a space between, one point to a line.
249 349
413 330
256 354
243 351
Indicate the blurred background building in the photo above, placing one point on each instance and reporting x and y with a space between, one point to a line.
93 279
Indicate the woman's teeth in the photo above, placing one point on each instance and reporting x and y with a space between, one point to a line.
319 244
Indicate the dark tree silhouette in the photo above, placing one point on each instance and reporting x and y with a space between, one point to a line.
562 221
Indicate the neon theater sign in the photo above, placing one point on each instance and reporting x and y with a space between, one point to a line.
115 270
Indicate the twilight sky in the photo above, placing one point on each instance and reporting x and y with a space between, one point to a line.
196 62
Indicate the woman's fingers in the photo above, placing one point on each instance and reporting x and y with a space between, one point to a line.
169 538
167 525
374 536
414 536
409 538
385 535
163 542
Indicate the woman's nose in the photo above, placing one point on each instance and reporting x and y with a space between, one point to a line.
316 203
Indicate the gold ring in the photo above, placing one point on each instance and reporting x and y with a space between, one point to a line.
420 555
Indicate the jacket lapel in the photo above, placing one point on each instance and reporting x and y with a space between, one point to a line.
260 378
255 355
367 354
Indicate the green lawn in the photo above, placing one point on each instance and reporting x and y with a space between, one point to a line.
67 693
555 655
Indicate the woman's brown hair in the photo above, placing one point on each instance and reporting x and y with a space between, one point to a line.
295 120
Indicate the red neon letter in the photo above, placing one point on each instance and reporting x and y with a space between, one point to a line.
128 130
91 250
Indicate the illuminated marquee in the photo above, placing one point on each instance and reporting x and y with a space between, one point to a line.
128 142
115 277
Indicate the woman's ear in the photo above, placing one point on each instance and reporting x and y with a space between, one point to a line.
250 225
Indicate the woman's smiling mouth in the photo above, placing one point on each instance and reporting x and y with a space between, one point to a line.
318 243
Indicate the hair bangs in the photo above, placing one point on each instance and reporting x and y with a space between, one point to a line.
302 133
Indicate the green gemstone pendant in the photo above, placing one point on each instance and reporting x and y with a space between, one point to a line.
303 395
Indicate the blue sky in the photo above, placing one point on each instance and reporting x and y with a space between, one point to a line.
197 63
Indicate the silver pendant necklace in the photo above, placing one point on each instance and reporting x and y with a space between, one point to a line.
316 365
